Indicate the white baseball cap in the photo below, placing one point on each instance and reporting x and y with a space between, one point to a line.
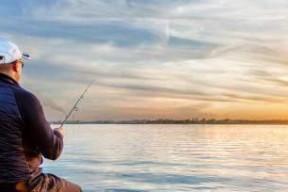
9 52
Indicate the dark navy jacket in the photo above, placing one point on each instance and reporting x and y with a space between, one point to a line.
25 135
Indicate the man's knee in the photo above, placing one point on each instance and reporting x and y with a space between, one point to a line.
71 187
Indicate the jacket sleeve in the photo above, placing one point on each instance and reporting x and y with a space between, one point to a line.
49 141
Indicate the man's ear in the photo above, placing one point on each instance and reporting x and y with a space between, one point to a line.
15 66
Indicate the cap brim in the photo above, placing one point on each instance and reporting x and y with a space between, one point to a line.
26 56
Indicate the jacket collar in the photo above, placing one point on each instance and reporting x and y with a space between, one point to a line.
7 79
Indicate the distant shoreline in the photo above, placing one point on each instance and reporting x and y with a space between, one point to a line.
186 121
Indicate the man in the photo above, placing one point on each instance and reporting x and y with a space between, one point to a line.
25 135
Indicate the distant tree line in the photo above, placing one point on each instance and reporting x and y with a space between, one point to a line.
172 121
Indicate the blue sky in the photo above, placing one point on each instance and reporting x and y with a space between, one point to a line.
154 58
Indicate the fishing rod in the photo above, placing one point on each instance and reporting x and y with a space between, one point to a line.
75 108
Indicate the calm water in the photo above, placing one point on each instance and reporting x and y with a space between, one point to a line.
118 158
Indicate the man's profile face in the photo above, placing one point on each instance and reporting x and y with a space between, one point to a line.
19 64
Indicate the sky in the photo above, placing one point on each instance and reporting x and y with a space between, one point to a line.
150 59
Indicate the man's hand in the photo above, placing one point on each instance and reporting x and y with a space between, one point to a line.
60 130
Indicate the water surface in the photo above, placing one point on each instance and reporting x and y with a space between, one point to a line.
118 158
